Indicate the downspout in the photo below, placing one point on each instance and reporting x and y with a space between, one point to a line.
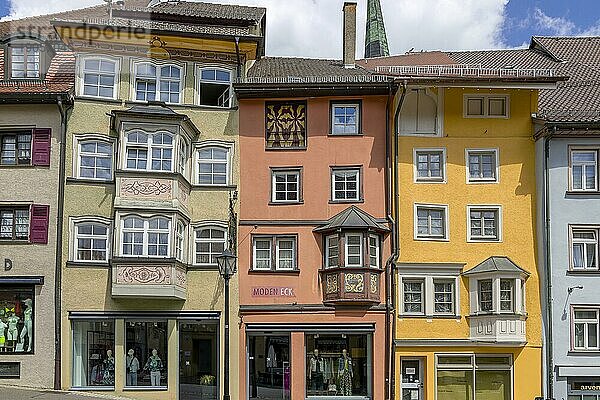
62 109
388 333
548 268
392 182
239 62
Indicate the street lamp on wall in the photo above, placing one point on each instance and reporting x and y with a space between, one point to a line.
227 262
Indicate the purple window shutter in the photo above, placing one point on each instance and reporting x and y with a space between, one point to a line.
41 147
38 224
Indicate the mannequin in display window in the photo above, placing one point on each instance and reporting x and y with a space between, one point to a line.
315 371
109 369
154 365
2 330
345 373
12 320
133 365
28 323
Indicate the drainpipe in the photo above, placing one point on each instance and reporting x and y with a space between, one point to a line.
548 269
392 165
62 109
239 62
388 333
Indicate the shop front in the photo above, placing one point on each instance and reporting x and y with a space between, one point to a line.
174 355
314 360
583 388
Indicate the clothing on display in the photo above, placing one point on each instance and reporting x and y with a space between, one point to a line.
108 378
154 365
132 367
16 320
345 374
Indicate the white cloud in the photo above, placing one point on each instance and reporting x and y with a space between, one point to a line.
313 28
556 25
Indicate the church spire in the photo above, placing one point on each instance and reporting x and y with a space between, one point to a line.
375 40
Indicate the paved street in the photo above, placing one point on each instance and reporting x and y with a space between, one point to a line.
26 394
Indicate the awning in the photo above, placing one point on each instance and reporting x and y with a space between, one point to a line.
180 315
21 280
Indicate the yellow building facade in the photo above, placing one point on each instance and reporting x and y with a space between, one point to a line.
468 316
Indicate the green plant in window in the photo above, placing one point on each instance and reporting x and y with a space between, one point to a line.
208 380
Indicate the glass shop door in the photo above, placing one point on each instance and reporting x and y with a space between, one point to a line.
269 370
412 379
198 360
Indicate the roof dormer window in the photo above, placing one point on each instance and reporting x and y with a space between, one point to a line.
25 62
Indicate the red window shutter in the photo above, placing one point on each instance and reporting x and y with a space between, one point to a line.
41 147
38 224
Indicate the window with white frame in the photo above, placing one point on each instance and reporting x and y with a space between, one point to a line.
214 87
91 241
374 251
354 249
99 77
484 223
157 82
211 242
286 186
95 159
585 329
584 167
274 253
413 296
482 166
213 165
429 289
180 241
507 294
485 295
443 296
183 156
345 118
486 106
499 295
429 165
25 61
149 151
332 251
345 184
419 113
584 248
149 237
431 222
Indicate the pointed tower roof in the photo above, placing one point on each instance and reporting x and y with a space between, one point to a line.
376 44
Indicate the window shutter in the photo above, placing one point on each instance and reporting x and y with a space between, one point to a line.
41 147
38 225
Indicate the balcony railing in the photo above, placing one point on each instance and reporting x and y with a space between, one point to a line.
148 278
498 328
347 285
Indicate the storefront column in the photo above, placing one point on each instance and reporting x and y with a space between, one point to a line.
173 357
298 361
119 354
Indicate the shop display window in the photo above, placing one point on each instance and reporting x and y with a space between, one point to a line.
198 360
474 377
338 365
93 357
146 358
16 319
270 371
583 389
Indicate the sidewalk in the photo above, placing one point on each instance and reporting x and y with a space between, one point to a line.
17 393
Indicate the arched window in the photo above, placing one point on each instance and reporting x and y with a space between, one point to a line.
213 166
210 242
419 113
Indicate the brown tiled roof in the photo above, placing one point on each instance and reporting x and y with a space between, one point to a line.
60 79
211 30
419 58
292 68
205 10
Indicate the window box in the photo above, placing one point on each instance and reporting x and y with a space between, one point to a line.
346 185
431 222
285 125
484 223
429 165
486 106
275 253
345 118
482 165
286 185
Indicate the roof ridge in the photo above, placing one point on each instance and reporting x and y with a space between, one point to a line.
568 37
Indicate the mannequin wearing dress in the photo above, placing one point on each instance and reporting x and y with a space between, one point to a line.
109 369
345 373
28 323
154 365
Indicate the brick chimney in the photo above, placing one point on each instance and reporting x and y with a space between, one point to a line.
349 34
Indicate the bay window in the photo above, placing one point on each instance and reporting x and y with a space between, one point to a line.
149 152
145 237
354 246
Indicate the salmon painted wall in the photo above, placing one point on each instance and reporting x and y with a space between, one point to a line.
323 151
